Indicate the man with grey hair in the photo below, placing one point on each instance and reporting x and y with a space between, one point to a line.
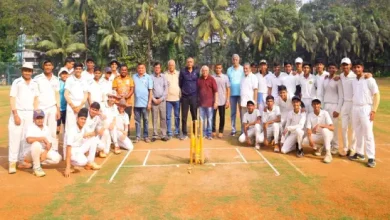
235 74
160 93
248 88
173 98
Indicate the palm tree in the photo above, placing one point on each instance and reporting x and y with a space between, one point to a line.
212 18
263 31
115 34
84 8
178 32
153 16
62 41
305 36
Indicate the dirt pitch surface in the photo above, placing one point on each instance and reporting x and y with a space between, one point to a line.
237 182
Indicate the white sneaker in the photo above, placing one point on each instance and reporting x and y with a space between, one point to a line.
39 172
328 157
257 146
318 152
12 168
334 151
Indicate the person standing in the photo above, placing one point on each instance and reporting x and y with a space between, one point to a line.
23 100
290 81
298 73
333 101
69 64
124 86
248 88
160 94
115 67
95 90
235 74
276 81
321 74
208 100
143 85
365 99
173 99
308 85
188 79
223 86
64 74
105 82
262 78
88 74
49 99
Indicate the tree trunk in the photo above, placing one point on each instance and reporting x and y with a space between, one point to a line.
211 48
86 38
149 54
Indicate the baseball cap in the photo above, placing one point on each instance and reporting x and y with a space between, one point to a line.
38 113
63 70
316 101
295 98
112 93
108 70
250 102
122 102
27 66
95 105
263 61
346 60
299 60
83 113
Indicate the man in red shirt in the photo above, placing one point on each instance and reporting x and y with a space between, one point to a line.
208 97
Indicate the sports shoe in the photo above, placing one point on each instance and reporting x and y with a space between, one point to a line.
350 152
334 151
39 172
154 139
357 157
12 168
169 137
371 163
233 133
165 139
177 136
257 146
117 150
276 148
328 157
300 153
209 138
220 135
147 140
102 154
318 152
92 166
183 137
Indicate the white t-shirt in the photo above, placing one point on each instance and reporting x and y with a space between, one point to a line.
320 84
269 115
347 85
284 106
75 136
34 131
274 82
47 89
106 85
291 81
322 118
122 121
76 87
248 85
88 77
250 118
110 112
308 87
96 91
24 94
364 90
262 81
295 120
93 124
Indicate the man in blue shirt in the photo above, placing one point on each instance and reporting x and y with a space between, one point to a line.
188 79
235 74
63 74
143 85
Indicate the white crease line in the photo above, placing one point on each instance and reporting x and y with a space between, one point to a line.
379 160
242 156
3 156
384 149
146 158
119 166
293 165
181 149
265 159
183 164
96 171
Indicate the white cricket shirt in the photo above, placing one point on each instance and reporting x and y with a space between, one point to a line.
248 85
47 89
24 94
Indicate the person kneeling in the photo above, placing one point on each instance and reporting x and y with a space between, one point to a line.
122 127
271 122
252 128
319 131
39 146
293 132
81 147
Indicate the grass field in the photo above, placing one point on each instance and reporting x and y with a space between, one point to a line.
153 182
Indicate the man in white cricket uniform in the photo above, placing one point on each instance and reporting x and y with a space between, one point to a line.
248 87
321 74
293 131
23 101
122 126
271 118
252 127
39 145
88 74
81 146
365 101
347 78
49 98
95 89
262 78
308 87
285 104
319 131
110 112
276 81
291 81
333 101
95 125
106 82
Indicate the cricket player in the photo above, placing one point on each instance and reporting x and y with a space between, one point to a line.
262 78
291 81
365 101
106 83
319 131
321 74
23 101
285 104
122 126
39 145
49 98
293 131
252 128
95 125
333 101
95 88
271 118
308 84
88 74
347 77
276 81
248 87
81 146
110 112
69 64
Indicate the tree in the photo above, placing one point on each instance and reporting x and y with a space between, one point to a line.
264 31
62 41
178 32
212 19
114 34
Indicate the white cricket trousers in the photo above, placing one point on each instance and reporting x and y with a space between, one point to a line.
253 132
34 154
78 157
16 135
346 121
363 130
291 139
324 138
308 107
70 123
124 142
273 131
51 122
330 108
106 139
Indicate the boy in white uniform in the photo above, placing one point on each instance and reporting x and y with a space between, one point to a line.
39 145
262 79
308 84
319 131
321 74
252 128
284 102
122 126
95 125
276 81
95 89
365 101
293 132
110 112
49 98
23 101
81 146
271 118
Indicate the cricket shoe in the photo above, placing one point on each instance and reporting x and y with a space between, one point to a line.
92 166
328 157
300 153
318 152
350 153
334 151
357 157
39 172
102 154
371 163
257 146
12 168
276 149
117 150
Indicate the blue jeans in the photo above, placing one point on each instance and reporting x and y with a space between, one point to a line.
176 111
234 101
206 115
138 113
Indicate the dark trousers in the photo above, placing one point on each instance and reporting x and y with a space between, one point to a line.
221 110
62 119
191 104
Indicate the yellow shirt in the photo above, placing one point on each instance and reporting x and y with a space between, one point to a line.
122 87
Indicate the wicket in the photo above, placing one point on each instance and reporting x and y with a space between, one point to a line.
196 143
